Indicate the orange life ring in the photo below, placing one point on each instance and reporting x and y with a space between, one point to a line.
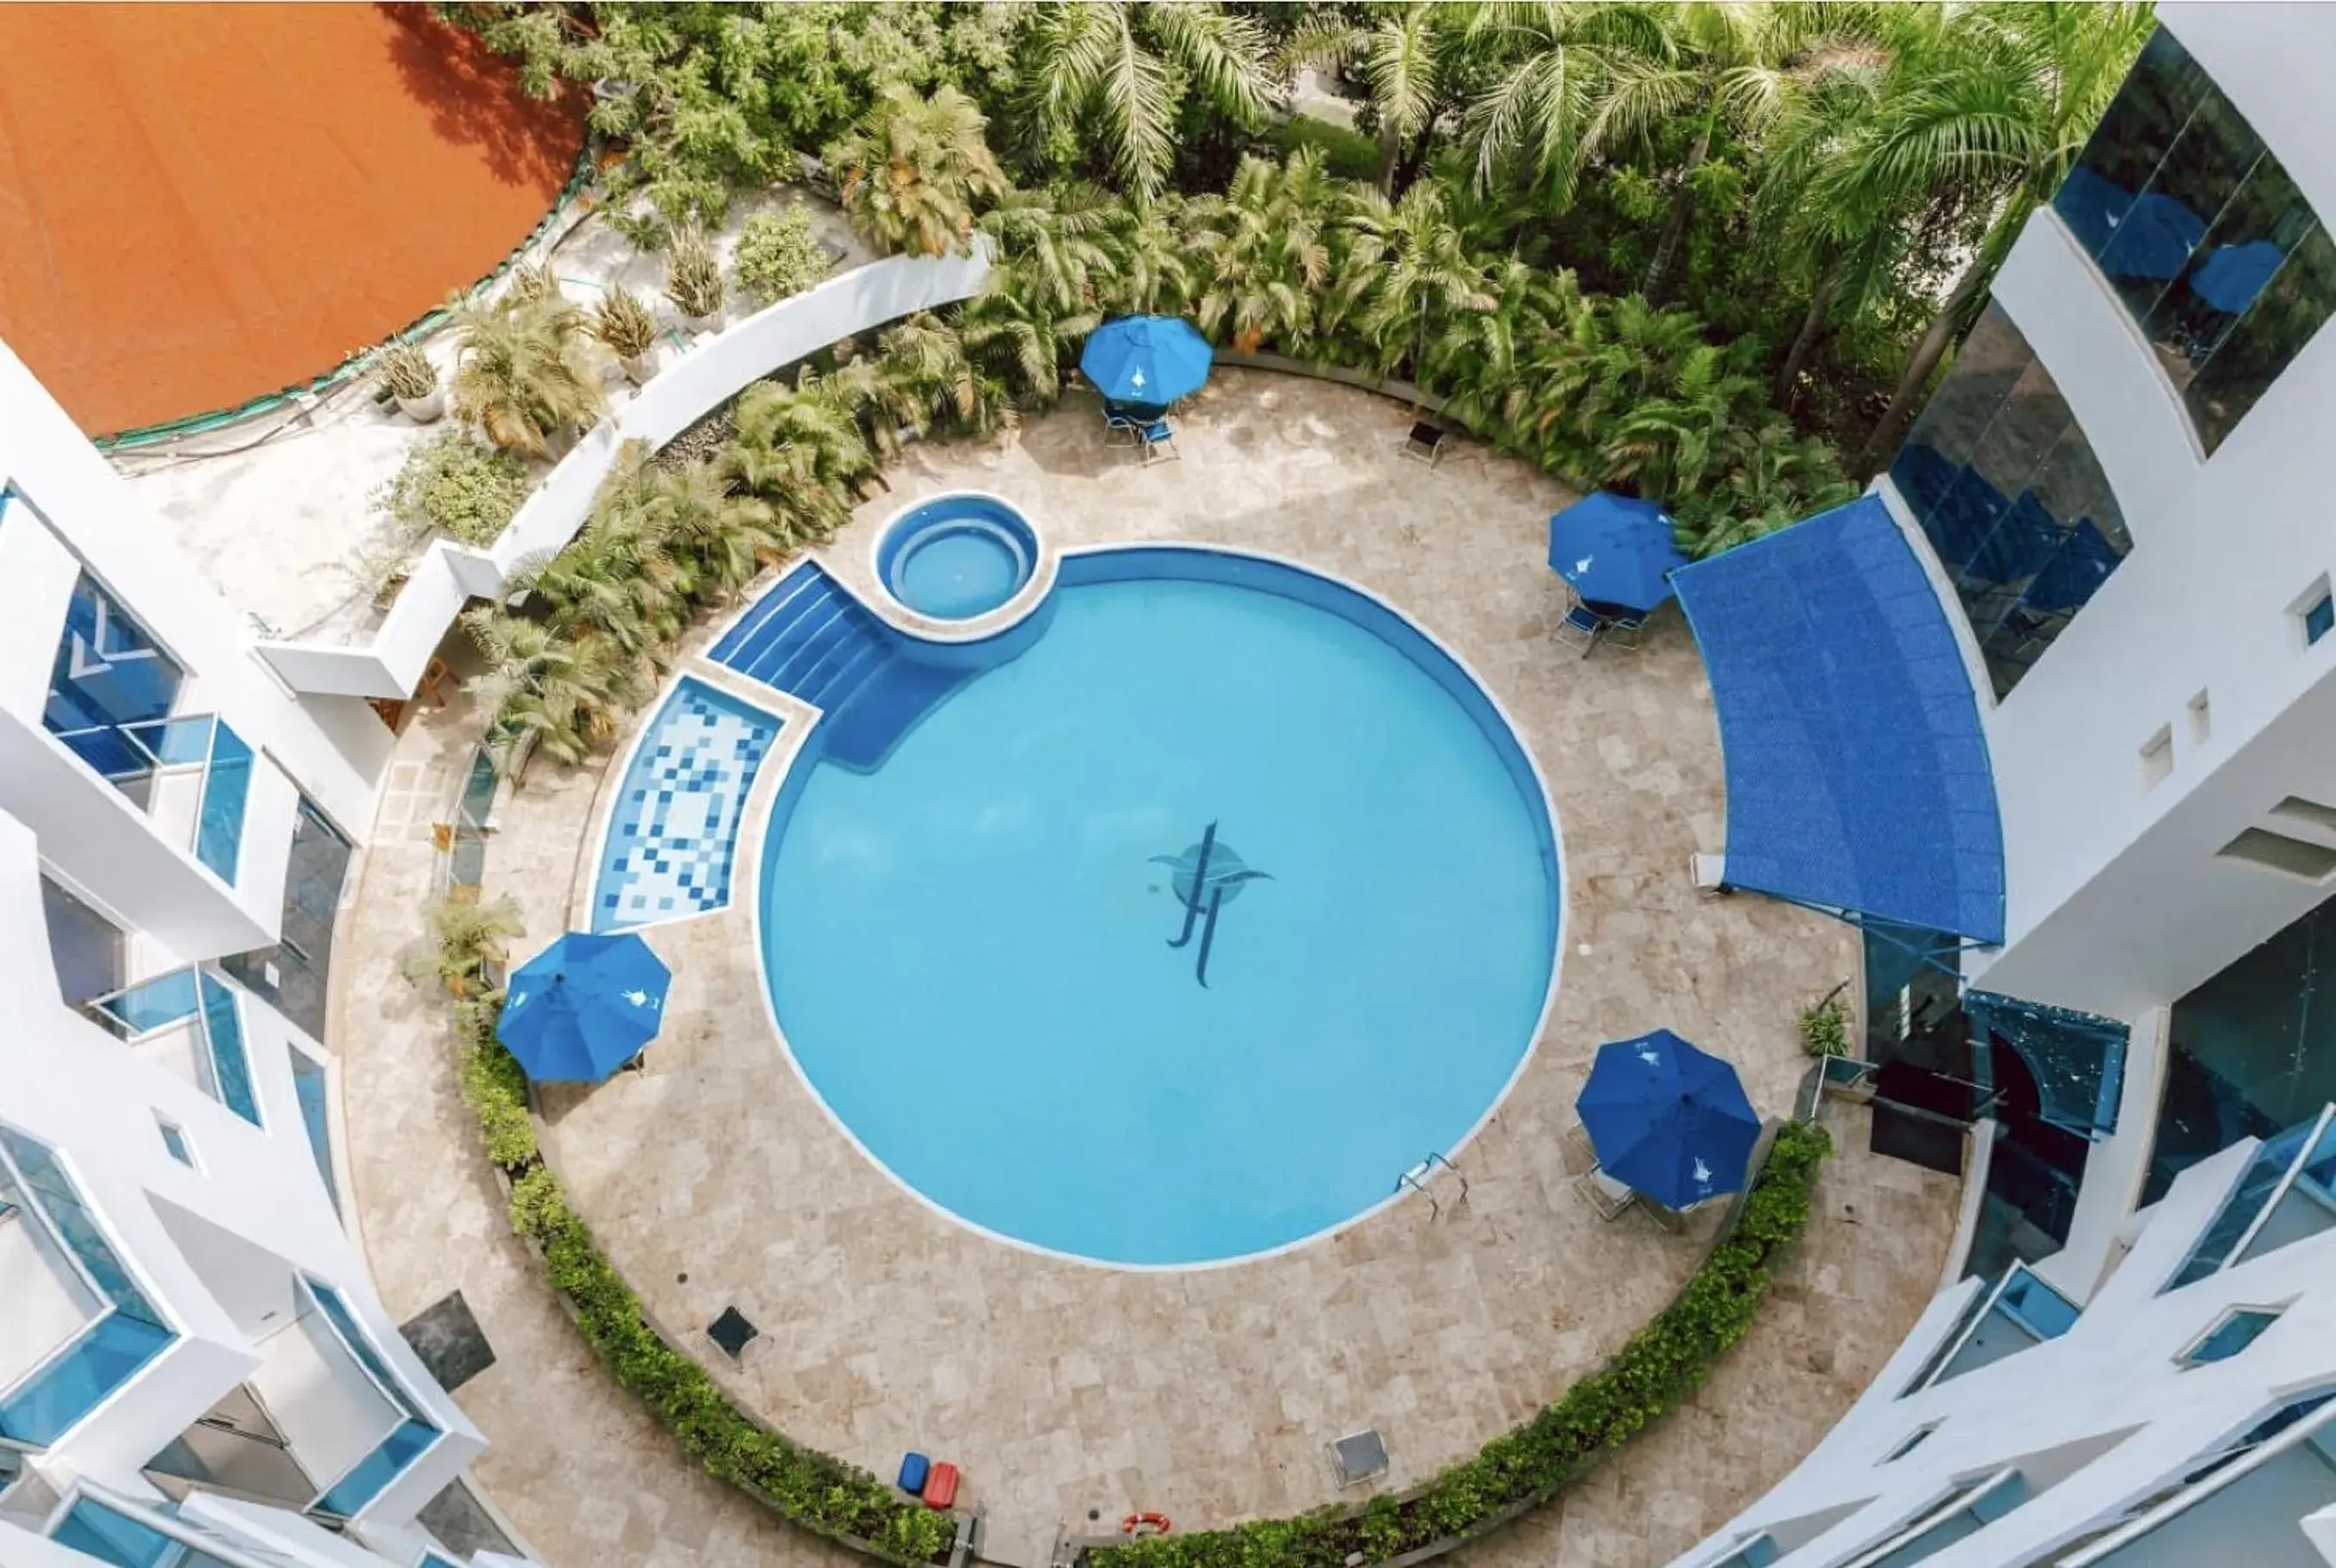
1158 1523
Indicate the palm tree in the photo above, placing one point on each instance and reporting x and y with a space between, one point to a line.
914 171
1994 107
548 691
1402 52
1123 69
1406 273
1479 356
1711 64
1547 60
1262 251
523 374
1150 272
1773 478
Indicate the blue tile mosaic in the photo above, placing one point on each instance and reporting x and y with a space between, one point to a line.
674 827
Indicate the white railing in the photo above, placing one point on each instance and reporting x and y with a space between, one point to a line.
390 661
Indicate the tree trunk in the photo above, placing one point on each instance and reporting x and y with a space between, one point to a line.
1414 160
1892 427
1805 342
1674 227
1390 157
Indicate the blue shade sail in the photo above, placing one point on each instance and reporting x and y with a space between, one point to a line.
1858 779
2078 1060
1148 361
584 1007
1615 550
1666 1120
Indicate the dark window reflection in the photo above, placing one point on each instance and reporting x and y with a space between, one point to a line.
2003 483
2202 234
2252 1050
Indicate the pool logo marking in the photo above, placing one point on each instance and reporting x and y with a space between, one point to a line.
1206 877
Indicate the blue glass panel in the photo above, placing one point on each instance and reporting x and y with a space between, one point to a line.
2245 1202
109 670
106 1357
308 1086
2235 1333
378 1469
2320 619
345 1324
230 1065
227 786
175 742
111 1537
61 1202
2036 1306
151 1004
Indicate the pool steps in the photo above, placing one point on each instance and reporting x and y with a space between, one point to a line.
808 637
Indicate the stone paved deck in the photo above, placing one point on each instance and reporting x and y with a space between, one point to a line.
1207 1395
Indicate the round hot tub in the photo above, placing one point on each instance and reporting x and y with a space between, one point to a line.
957 556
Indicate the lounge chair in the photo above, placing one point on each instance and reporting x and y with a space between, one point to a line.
1582 625
1605 1195
1425 442
1159 440
1118 430
1625 629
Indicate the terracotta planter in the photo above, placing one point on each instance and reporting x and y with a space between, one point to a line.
427 409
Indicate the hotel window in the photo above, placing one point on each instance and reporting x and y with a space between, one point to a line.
2001 480
2238 1329
2215 253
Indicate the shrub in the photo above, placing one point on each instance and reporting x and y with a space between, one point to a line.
623 324
450 484
1660 1367
777 257
816 1491
693 277
406 371
1824 1030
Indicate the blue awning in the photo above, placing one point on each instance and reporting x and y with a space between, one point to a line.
1858 774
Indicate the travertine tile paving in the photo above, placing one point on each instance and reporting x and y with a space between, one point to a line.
1207 1394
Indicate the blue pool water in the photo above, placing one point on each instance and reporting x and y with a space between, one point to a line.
674 824
969 947
957 556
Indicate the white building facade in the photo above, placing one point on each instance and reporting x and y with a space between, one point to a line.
2122 493
193 1366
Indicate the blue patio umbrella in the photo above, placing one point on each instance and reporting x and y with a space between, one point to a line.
1615 550
1150 360
2233 275
2154 239
1666 1120
2091 207
583 1006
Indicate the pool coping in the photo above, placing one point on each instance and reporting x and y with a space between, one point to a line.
909 621
778 768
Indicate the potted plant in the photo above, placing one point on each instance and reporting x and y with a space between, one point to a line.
693 279
413 380
624 328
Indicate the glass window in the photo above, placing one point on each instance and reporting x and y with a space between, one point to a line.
40 1410
174 1139
2198 227
90 952
1910 1441
115 1538
377 1469
231 1064
2249 1051
2319 618
2240 1327
2005 486
227 786
308 1086
109 672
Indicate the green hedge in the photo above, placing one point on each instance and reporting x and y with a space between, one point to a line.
815 1490
1661 1365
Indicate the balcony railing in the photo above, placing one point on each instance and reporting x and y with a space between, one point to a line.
191 774
190 1020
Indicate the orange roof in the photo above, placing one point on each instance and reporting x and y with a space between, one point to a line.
200 204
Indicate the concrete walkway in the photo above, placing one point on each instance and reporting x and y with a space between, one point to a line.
1492 1313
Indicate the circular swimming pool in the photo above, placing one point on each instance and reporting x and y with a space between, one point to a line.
1180 936
957 556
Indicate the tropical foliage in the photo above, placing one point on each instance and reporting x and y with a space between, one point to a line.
693 275
523 374
811 1489
452 485
777 255
915 171
623 324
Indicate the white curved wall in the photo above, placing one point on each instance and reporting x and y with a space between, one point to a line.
391 663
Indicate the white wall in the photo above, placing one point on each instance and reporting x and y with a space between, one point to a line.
389 663
322 744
